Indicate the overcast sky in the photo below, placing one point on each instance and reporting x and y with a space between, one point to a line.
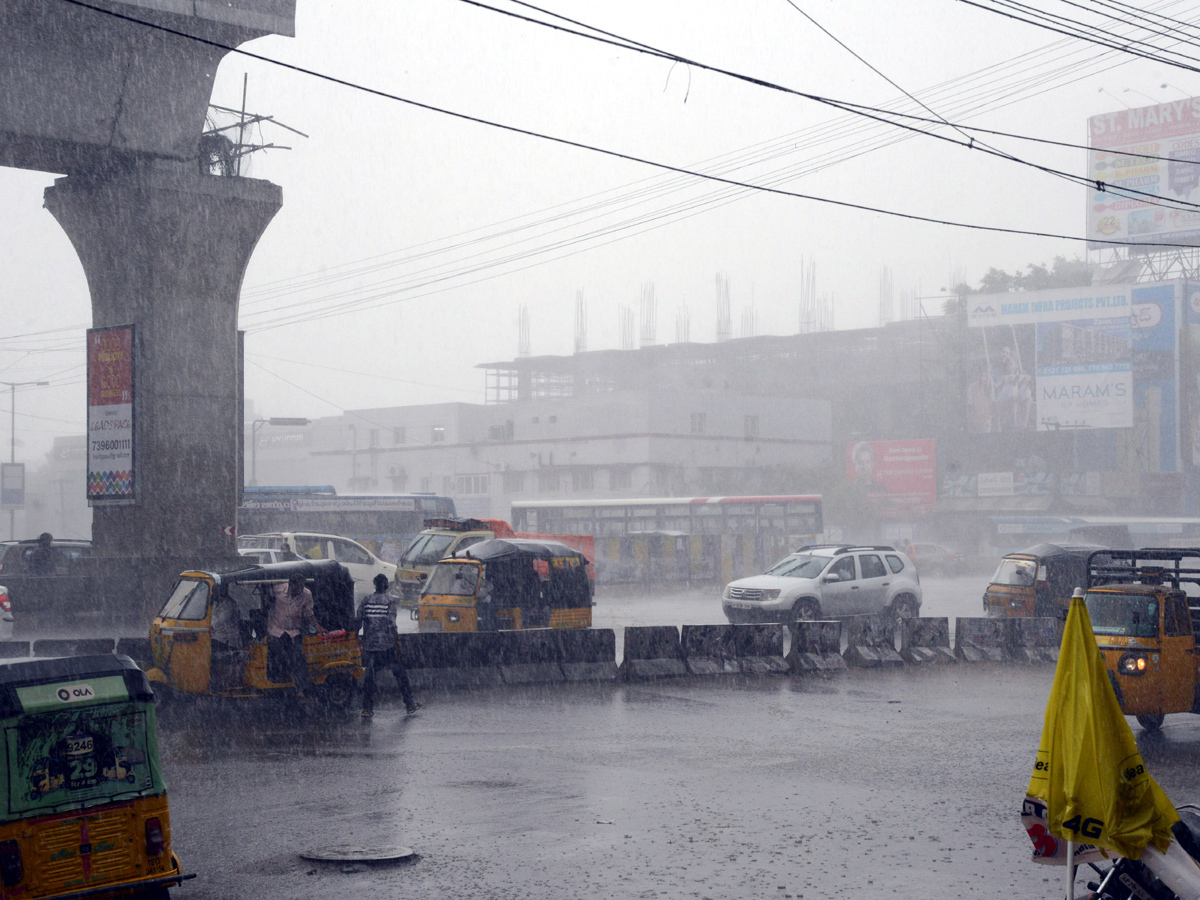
409 240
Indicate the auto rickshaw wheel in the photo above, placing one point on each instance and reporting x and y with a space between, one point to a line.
1150 723
338 691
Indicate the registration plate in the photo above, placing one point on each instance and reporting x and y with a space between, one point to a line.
738 605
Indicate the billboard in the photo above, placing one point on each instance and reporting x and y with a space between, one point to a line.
110 380
1089 358
1052 359
12 485
900 476
1167 130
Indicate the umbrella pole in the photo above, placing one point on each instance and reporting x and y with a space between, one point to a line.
1070 870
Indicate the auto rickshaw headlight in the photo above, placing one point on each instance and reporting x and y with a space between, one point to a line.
452 616
1132 664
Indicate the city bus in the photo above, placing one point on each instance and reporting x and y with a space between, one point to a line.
680 540
383 523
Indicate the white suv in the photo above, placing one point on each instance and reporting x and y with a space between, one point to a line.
362 564
825 581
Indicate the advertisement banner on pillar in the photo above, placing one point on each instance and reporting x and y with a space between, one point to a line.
111 389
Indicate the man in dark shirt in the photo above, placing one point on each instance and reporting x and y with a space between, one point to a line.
376 616
44 560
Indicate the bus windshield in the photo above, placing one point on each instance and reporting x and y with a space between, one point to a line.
456 579
67 759
1123 615
427 549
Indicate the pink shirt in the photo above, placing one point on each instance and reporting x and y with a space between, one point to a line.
289 613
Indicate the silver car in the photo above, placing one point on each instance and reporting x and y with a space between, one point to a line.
827 581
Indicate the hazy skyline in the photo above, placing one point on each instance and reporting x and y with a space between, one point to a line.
441 228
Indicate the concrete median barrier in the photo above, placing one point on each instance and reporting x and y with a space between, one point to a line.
709 649
981 639
926 640
871 642
1035 640
137 649
13 649
587 654
816 647
652 651
759 649
447 661
529 657
73 646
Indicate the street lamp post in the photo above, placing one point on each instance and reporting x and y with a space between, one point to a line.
12 453
254 429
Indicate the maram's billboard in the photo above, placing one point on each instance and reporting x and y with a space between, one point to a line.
1155 151
1080 359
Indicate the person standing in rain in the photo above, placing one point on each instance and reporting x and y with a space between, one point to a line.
376 616
291 609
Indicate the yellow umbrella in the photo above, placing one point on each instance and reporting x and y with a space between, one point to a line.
1090 785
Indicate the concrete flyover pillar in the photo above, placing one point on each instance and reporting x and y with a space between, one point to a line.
165 248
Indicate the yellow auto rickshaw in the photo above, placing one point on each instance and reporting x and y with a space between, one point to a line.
84 806
191 659
1037 581
1143 624
508 583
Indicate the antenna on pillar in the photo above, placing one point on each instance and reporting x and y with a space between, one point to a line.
809 316
749 322
580 323
887 296
724 324
649 311
220 154
523 332
683 325
625 315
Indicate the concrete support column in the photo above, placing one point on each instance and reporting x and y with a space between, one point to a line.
165 248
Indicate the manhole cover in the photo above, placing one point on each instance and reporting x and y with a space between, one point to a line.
354 853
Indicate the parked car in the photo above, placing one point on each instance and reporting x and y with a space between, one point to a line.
6 615
934 559
827 581
362 564
263 555
57 593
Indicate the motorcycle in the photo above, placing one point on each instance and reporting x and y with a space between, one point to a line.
1174 875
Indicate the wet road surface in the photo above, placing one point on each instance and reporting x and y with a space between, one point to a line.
903 784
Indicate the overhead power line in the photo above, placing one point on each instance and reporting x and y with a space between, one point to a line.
628 157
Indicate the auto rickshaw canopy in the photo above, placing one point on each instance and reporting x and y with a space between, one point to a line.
330 582
527 572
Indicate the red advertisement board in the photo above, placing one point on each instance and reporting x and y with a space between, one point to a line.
901 476
110 414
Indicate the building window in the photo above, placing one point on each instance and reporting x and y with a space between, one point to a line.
447 484
399 482
552 419
697 423
373 438
548 482
581 480
501 432
425 484
474 484
398 435
620 479
439 434
751 426
514 482
534 420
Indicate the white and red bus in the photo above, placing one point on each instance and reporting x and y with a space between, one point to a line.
680 540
